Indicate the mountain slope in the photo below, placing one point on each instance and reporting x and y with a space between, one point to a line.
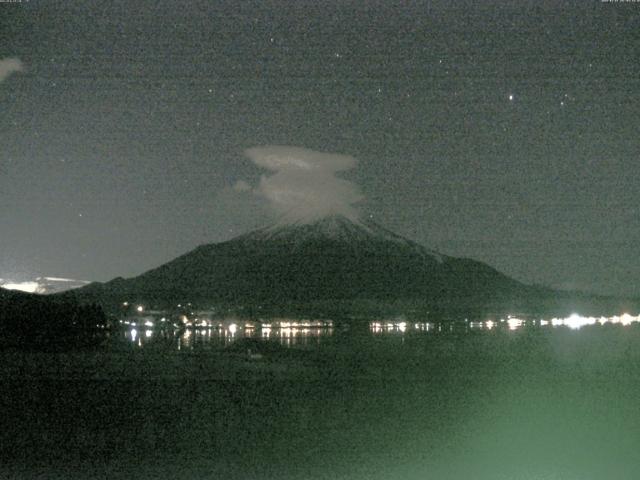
333 259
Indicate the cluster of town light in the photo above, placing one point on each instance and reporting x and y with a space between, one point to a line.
287 328
228 332
573 321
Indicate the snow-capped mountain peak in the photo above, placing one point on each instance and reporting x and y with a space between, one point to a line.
337 228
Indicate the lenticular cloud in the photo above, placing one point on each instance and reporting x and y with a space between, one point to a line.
9 66
303 187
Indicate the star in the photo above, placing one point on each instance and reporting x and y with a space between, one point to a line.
511 97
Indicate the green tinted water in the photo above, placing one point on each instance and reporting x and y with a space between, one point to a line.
535 403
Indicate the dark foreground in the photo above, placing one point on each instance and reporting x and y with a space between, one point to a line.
538 403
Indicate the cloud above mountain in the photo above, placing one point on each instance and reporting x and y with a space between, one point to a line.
241 186
9 66
303 186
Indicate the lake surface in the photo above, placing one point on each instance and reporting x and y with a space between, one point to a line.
514 399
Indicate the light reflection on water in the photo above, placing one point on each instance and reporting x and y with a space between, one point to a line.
573 321
313 333
219 337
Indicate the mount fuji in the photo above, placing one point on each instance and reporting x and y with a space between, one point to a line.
331 261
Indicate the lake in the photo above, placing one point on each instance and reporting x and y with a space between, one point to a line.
513 399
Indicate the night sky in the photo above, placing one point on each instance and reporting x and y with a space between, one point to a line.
508 132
